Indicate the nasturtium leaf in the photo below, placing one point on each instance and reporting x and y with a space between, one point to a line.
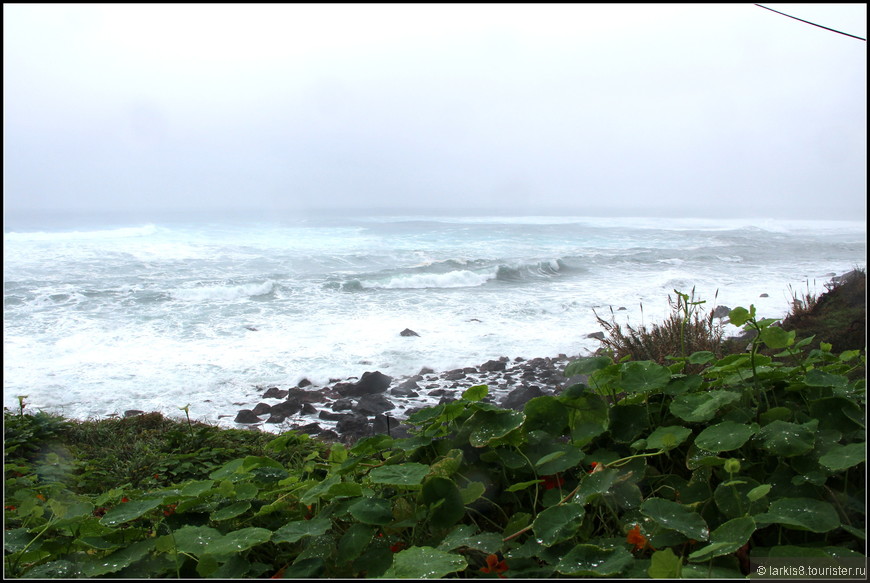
627 422
407 474
698 407
558 523
472 492
196 488
776 337
117 560
801 513
231 511
451 507
228 470
60 569
319 490
522 485
667 438
841 457
126 511
820 378
593 561
489 426
194 539
354 540
424 563
310 568
298 529
701 357
344 490
644 377
587 365
564 457
475 393
464 536
545 413
725 436
726 539
596 483
837 413
739 316
665 564
238 541
376 511
786 439
676 517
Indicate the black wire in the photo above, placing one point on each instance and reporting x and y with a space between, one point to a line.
813 23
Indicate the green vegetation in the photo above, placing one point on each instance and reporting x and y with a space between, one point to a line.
684 467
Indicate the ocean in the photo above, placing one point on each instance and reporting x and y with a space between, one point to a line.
104 317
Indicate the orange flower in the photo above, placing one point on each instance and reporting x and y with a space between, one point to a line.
41 497
9 507
635 538
494 564
170 509
554 481
596 467
125 499
279 574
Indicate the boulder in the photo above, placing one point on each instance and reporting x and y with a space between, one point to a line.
309 409
373 404
247 416
388 425
721 311
352 428
369 383
261 408
517 398
596 335
408 332
454 375
133 413
275 393
303 383
342 405
493 365
286 408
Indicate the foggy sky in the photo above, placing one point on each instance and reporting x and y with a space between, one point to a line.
698 110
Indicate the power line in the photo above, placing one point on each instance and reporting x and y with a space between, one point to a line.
813 23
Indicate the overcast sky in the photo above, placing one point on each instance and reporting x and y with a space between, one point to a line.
704 110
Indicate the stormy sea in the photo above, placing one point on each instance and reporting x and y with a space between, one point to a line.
106 315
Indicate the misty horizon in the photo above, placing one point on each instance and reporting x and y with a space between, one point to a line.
598 110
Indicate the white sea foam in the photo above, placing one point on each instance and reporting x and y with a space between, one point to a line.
156 317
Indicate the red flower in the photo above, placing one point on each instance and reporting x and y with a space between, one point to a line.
495 565
125 499
596 467
397 547
637 539
279 574
170 509
554 481
9 507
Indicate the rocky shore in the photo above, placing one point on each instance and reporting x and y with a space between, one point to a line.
347 410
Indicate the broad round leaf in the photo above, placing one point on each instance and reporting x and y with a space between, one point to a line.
126 511
298 529
587 365
644 377
355 539
841 457
489 426
787 439
667 437
451 509
558 523
594 561
697 407
407 474
725 436
424 563
676 517
238 541
726 539
376 511
802 513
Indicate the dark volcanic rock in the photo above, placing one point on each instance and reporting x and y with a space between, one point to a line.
275 393
310 428
517 398
133 413
721 311
303 383
369 383
286 408
493 365
352 428
373 404
408 332
309 409
261 408
247 416
342 405
454 375
596 335
388 425
333 416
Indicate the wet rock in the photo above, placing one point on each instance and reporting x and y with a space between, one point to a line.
493 365
373 404
333 416
133 413
721 311
275 393
287 408
596 335
517 398
262 408
352 428
310 428
454 375
342 405
764 296
426 370
369 383
247 416
389 426
303 383
309 409
408 332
